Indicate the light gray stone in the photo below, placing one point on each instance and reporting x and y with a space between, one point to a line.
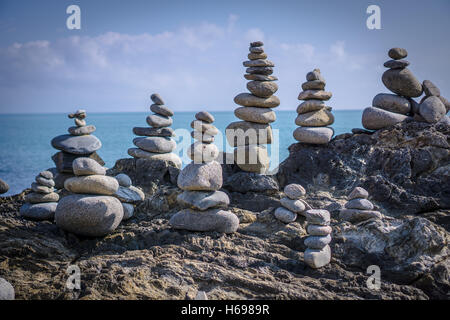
201 177
392 103
155 144
313 135
156 98
257 56
205 138
46 174
397 53
200 152
296 206
402 82
285 215
319 118
128 211
205 127
318 216
85 215
123 180
316 230
358 192
255 114
153 132
314 75
158 121
376 118
86 166
94 184
242 133
161 110
80 122
315 94
82 145
169 157
360 204
35 197
81 131
256 50
203 200
38 211
310 105
262 89
205 221
260 77
204 116
6 290
258 63
317 242
294 191
252 158
41 189
250 100
313 85
45 182
317 258
432 109
130 194
430 88
355 215
396 64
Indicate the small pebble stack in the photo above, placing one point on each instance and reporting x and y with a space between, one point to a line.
358 208
314 116
92 210
390 109
318 252
78 143
291 204
433 107
127 194
41 203
200 182
155 142
256 113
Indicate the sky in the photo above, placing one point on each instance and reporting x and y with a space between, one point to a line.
191 52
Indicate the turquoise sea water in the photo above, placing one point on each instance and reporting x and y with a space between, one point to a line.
25 148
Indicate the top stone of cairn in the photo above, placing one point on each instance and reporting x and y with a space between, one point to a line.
397 53
256 44
156 98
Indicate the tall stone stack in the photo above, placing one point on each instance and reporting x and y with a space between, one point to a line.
80 142
155 142
358 208
390 109
200 182
249 135
292 204
92 210
314 116
41 203
318 252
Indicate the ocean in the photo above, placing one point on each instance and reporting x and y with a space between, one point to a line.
26 150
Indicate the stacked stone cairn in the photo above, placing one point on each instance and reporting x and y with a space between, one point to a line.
248 135
128 194
318 252
92 210
433 107
78 143
41 203
390 109
155 142
292 204
200 181
314 116
358 208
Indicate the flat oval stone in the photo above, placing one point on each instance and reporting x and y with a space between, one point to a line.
128 211
397 53
260 77
296 206
201 177
153 132
319 118
242 133
402 82
123 180
284 215
91 216
314 75
263 89
46 174
313 85
318 216
210 220
200 152
355 215
255 114
156 98
81 131
360 204
161 110
203 200
204 127
256 50
158 121
316 230
80 122
310 105
169 157
35 197
45 182
86 166
392 103
130 194
204 116
313 135
256 44
39 211
95 184
205 138
396 64
258 63
267 71
294 191
317 242
358 193
315 94
249 100
155 144
376 118
317 258
76 144
432 109
252 158
41 189
257 56
430 88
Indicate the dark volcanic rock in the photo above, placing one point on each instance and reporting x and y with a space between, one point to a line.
405 168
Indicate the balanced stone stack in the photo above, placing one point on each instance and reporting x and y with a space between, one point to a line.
155 142
78 143
358 208
248 135
200 182
318 252
127 194
92 210
41 203
390 109
291 204
314 116
433 107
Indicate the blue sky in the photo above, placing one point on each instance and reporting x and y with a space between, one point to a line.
191 52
